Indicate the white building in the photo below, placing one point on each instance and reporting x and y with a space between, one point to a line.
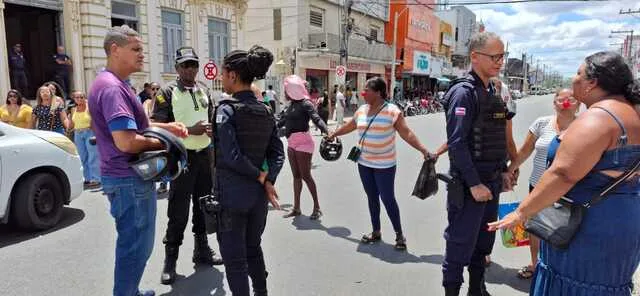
212 27
464 25
304 36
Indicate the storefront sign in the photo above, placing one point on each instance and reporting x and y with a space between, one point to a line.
447 39
436 67
421 63
424 25
354 67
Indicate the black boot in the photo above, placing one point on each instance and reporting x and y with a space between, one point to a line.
451 291
477 286
202 253
169 270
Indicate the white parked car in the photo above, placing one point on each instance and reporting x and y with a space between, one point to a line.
40 172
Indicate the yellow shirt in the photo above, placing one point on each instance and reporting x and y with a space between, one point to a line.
81 120
21 119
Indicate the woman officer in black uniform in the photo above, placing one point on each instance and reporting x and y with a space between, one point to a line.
245 137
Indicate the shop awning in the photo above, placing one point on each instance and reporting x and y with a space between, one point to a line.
443 79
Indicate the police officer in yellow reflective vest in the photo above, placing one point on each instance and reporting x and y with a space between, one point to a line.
183 101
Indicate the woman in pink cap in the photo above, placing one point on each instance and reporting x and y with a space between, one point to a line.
300 143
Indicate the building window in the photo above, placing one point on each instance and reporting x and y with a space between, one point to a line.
173 37
316 17
124 12
373 33
219 40
456 34
277 24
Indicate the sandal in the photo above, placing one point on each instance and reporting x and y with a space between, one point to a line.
525 272
371 238
401 243
316 214
293 213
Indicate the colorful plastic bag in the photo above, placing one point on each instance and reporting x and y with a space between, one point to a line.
516 237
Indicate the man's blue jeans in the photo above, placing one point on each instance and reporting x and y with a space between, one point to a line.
133 206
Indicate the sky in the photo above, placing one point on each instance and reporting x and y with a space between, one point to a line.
559 34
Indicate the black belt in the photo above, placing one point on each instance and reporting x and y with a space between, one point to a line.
203 150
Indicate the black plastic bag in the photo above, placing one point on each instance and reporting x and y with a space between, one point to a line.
427 183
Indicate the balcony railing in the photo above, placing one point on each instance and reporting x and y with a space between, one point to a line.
357 47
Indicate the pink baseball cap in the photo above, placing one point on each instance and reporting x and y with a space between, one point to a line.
296 88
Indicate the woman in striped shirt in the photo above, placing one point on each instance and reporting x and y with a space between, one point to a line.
540 135
377 162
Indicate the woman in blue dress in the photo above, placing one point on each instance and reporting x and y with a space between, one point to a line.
597 147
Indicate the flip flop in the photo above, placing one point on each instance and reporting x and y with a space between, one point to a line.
525 273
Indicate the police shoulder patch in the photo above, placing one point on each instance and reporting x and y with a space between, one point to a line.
161 99
461 111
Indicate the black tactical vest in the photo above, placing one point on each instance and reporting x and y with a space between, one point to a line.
254 126
488 137
487 141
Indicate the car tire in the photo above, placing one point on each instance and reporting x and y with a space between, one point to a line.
37 203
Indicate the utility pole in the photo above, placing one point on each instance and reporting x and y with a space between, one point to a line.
525 82
506 62
537 68
394 48
347 26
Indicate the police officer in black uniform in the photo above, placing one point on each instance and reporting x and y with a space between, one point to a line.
245 136
476 137
17 66
183 101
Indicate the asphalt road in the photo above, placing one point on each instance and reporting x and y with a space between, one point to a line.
304 257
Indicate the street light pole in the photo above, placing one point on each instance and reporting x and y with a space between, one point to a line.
394 49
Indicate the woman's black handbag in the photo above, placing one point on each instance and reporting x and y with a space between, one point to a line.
355 152
559 223
427 183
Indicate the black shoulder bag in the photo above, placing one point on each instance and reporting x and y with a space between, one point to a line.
355 152
559 223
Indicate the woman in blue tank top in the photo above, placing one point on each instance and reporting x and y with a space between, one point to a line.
597 147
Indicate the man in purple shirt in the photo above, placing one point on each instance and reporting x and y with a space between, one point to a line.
118 118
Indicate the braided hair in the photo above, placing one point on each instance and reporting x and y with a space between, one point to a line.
249 65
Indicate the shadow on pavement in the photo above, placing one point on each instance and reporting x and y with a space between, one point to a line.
284 208
206 281
382 250
499 275
9 235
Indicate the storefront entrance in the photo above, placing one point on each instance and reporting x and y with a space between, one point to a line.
38 30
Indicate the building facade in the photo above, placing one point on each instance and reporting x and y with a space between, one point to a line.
212 27
305 38
420 51
464 24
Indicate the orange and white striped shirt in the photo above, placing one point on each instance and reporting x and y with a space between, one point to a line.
379 145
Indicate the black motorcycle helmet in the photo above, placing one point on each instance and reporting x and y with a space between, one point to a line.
330 151
161 165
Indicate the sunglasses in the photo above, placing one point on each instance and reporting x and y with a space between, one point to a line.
155 88
190 64
12 96
494 57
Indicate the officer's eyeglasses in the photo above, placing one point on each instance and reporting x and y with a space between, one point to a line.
494 57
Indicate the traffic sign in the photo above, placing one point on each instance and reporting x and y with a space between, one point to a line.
341 74
210 70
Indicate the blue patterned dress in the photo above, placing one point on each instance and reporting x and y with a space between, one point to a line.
605 252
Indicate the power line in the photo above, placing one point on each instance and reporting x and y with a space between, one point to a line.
489 2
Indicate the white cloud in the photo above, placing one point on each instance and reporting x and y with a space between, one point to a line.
558 34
